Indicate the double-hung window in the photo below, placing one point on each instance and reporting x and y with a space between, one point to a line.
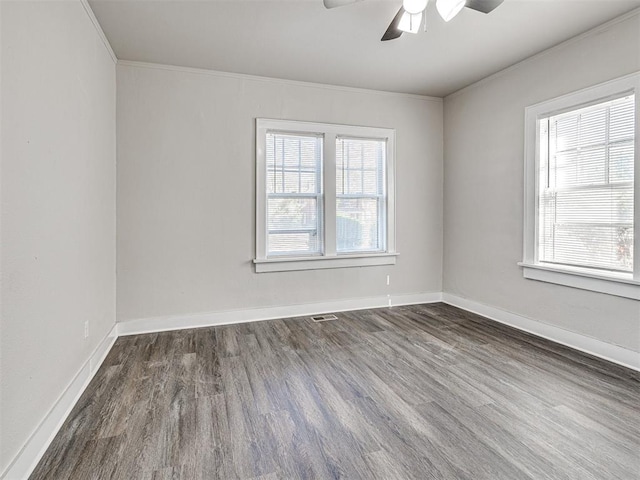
324 196
294 194
360 195
582 177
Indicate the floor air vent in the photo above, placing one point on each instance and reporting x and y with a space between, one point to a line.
323 318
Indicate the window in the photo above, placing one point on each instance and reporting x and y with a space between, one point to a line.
324 196
294 194
361 200
582 174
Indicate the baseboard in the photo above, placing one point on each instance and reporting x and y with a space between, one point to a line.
598 348
33 450
592 346
228 317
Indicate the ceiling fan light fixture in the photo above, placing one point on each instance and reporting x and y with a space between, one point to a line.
414 6
449 8
410 22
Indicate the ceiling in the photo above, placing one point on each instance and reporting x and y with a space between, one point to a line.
301 40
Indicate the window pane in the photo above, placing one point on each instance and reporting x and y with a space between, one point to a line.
586 208
357 225
293 243
353 184
292 213
586 167
607 247
293 163
593 127
622 120
621 162
594 206
564 133
293 225
360 166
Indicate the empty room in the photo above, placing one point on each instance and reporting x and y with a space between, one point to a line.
319 239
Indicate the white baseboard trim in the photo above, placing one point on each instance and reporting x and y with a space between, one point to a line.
598 348
28 457
228 317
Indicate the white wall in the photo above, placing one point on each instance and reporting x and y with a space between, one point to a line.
58 207
186 200
483 185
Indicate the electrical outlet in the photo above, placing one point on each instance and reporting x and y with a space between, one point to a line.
388 279
86 329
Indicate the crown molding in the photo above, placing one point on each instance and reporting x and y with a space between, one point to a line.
99 31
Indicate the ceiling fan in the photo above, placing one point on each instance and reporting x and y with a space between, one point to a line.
409 17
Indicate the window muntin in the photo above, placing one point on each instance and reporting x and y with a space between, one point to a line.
586 186
360 195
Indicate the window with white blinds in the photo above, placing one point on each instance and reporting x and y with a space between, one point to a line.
360 190
324 196
586 197
582 172
294 194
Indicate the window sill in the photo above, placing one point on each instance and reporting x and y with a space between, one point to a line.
620 285
288 264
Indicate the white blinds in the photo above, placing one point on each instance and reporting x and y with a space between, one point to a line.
294 194
361 198
585 197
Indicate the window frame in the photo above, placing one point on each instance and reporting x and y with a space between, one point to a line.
598 280
329 258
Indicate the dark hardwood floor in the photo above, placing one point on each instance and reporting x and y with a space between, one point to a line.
417 392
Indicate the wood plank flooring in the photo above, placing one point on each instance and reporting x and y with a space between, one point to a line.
416 392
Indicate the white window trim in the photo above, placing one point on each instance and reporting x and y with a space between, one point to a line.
330 258
623 285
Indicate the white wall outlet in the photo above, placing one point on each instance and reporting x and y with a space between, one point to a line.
86 329
388 279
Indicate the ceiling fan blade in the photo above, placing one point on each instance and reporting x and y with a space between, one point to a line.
484 6
393 31
338 3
